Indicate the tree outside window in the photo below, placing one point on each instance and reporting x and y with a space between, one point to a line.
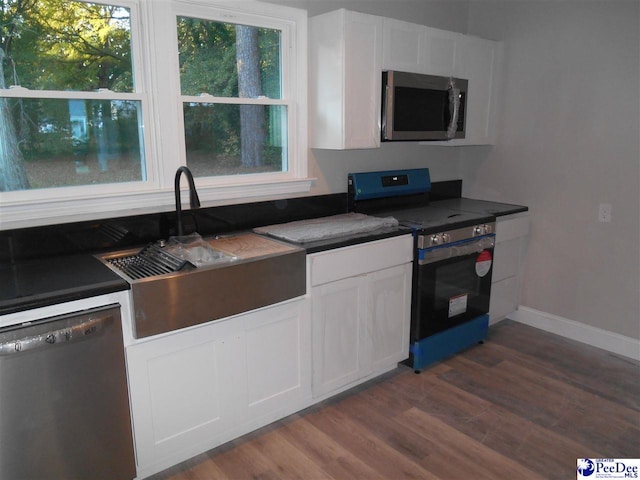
67 112
234 118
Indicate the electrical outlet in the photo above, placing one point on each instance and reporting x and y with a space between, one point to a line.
604 212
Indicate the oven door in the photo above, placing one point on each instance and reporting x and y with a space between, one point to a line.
453 285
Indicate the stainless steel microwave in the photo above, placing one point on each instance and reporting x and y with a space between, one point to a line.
422 107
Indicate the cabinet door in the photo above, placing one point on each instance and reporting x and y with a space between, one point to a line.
508 257
345 80
390 313
440 51
403 46
179 387
476 61
363 80
276 346
341 353
505 298
415 48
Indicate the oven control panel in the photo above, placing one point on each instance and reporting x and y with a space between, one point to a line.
457 235
483 229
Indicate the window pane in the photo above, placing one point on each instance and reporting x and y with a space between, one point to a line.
73 142
224 139
65 45
227 60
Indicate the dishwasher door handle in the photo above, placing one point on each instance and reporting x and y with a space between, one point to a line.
81 331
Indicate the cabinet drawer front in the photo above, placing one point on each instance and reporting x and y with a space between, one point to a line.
505 298
360 259
507 258
512 226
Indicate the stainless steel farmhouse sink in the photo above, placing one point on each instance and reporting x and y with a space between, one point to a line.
248 271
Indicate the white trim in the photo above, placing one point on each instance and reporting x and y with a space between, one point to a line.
100 94
47 212
580 332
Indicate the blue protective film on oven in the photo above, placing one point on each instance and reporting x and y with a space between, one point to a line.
448 342
390 183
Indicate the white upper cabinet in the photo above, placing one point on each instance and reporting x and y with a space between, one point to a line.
478 60
403 46
409 47
345 80
349 51
440 52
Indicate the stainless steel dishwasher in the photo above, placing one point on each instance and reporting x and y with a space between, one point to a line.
64 406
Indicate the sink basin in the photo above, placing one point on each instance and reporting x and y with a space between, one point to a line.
252 271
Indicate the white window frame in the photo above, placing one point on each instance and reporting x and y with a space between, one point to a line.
157 87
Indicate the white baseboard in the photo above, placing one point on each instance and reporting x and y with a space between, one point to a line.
580 332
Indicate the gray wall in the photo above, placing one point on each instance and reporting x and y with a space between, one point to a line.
569 141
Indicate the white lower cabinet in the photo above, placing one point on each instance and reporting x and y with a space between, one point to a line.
278 365
390 303
195 389
361 307
341 352
512 232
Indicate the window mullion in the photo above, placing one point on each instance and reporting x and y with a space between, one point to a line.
102 94
210 99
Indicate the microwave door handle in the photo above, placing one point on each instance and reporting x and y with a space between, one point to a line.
387 127
454 109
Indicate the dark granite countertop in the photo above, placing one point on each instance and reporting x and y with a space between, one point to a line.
38 283
495 209
44 266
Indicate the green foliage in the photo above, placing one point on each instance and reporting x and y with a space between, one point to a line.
207 55
63 45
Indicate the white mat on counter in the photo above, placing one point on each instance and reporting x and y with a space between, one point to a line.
325 228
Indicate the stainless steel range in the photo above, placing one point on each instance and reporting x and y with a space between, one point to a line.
452 263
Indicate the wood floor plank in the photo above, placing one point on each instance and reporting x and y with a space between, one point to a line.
524 405
286 459
326 452
383 426
509 434
245 461
366 446
582 365
522 397
552 404
469 455
626 392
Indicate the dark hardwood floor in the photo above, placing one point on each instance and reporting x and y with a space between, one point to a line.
525 405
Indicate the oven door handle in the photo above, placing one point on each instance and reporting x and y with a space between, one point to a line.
458 249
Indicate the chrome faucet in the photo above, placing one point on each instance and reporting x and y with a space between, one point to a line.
194 201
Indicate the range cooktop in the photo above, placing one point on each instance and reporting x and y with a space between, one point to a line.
403 194
429 219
